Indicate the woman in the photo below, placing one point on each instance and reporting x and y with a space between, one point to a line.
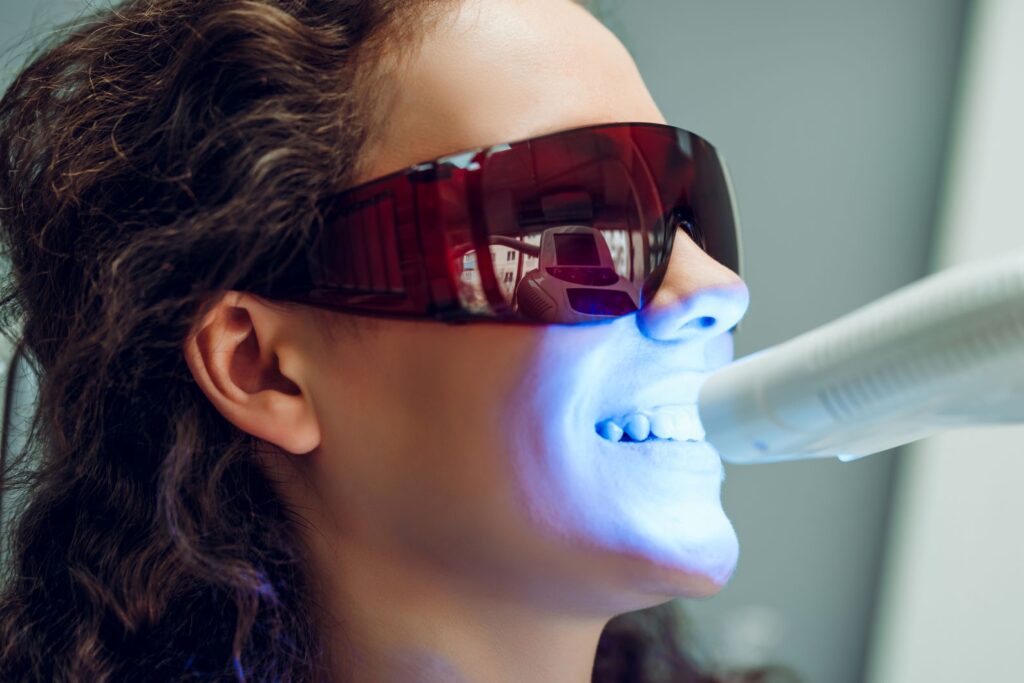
238 486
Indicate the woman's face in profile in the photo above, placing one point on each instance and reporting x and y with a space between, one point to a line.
473 450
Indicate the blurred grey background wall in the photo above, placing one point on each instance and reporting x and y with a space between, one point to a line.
834 119
833 116
951 595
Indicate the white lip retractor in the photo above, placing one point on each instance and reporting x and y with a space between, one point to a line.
944 352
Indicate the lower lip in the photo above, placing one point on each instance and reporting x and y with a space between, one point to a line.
698 457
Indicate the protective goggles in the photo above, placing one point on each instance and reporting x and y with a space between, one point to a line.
566 228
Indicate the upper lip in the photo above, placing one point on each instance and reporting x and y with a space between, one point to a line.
677 389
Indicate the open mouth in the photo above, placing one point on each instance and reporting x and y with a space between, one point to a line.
663 423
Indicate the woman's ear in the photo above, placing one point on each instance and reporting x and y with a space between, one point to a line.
240 356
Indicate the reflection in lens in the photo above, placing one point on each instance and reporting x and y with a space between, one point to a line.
594 209
565 216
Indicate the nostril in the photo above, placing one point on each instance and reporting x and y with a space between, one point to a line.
680 313
703 322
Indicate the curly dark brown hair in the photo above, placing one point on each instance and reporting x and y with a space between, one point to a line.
154 155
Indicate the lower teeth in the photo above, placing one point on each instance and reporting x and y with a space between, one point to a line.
628 439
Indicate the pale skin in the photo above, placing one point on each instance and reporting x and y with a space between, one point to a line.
463 521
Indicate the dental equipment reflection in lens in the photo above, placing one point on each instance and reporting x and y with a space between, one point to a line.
570 256
570 276
575 280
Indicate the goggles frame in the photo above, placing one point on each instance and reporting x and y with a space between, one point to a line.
387 246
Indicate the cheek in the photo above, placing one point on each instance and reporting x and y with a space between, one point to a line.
426 452
545 428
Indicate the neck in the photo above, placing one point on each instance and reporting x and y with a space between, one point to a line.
395 621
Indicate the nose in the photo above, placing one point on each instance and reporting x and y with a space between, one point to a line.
697 297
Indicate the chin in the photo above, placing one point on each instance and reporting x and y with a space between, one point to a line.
697 587
690 568
712 580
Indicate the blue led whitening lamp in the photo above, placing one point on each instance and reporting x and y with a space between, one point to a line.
944 352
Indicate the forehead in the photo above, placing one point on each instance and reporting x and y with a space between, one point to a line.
500 70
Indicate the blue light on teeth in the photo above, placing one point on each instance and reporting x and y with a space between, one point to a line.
638 427
609 430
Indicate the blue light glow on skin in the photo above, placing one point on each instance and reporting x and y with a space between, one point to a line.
656 500
458 505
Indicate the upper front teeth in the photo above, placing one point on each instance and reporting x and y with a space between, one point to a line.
638 426
678 423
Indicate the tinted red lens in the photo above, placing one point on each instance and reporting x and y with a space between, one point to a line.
597 207
571 227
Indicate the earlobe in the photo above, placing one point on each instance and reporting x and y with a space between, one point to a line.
234 354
